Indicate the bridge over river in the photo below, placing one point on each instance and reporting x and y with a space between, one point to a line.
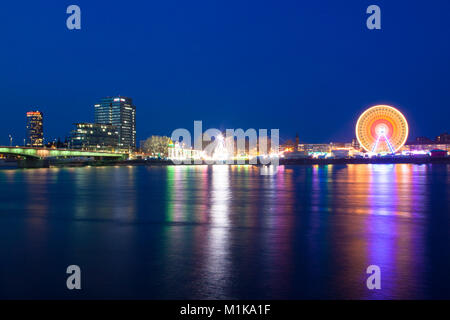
39 157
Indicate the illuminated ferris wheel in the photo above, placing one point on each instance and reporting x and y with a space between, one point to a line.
382 128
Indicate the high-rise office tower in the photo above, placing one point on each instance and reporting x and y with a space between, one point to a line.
35 129
120 112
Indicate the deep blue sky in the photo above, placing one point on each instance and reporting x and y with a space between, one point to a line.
301 66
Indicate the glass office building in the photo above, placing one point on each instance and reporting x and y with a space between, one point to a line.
120 112
35 129
94 136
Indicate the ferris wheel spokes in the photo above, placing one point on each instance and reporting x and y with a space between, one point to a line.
376 145
389 144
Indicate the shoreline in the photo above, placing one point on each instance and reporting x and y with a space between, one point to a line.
381 160
157 162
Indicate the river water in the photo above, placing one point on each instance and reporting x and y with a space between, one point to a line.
226 232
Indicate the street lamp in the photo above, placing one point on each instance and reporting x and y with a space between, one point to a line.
10 140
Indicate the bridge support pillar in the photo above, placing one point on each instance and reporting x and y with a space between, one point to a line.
33 163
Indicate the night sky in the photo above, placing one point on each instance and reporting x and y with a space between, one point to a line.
301 66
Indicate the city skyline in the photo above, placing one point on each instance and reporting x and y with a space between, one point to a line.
289 78
98 119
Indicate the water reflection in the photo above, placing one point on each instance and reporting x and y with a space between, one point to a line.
230 232
217 261
386 195
220 196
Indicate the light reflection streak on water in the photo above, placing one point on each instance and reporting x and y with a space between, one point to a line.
37 192
382 202
217 261
82 183
321 188
383 197
242 182
37 206
210 246
179 193
391 244
170 192
200 203
174 239
315 189
383 194
277 249
125 204
114 189
220 195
